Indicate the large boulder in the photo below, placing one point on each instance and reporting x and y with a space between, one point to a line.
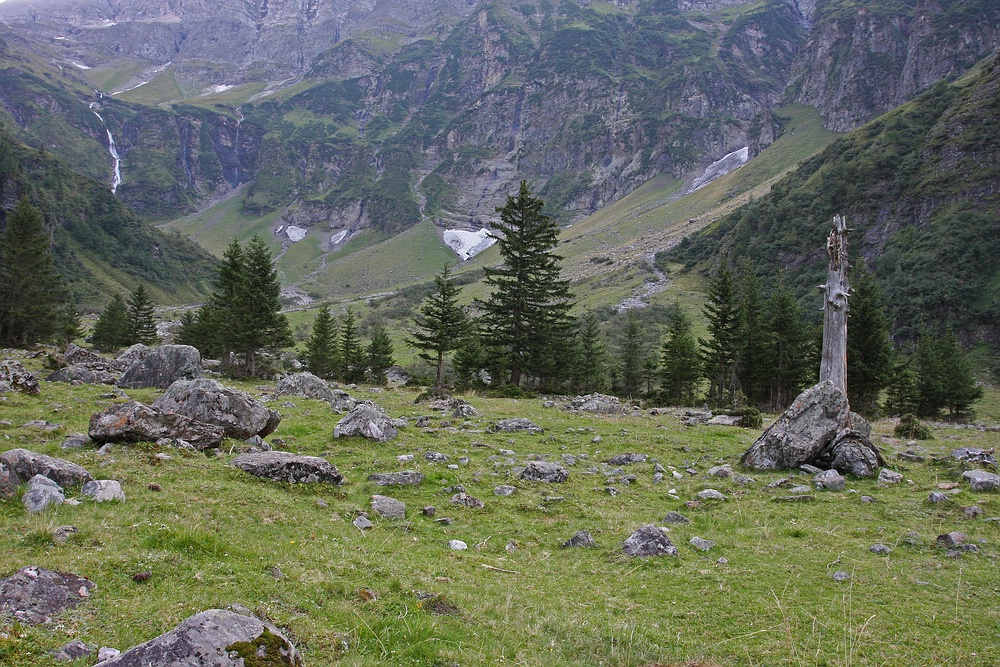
27 464
211 402
288 467
132 356
305 385
163 366
42 493
402 478
74 354
803 432
213 638
852 452
648 541
599 404
15 377
544 471
515 424
33 595
137 422
83 374
368 420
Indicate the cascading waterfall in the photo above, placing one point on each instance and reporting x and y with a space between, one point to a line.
236 146
116 178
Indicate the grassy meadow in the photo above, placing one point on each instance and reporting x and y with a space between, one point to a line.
211 535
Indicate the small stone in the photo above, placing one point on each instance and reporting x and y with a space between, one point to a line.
722 561
457 545
104 490
504 490
465 500
62 534
868 499
710 494
388 508
74 650
658 478
953 539
973 512
322 504
831 480
887 476
405 458
701 544
596 440
363 523
430 510
800 489
880 549
445 521
724 472
937 497
841 576
675 517
435 457
800 498
582 538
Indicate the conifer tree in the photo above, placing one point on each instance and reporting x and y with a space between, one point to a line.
32 292
869 347
442 324
112 331
260 322
322 353
787 350
720 351
591 362
679 361
352 356
379 354
526 317
472 358
902 393
141 318
753 337
631 354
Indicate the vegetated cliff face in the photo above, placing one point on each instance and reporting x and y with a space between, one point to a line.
862 61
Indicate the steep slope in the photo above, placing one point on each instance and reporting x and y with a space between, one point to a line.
919 188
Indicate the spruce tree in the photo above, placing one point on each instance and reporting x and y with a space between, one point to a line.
322 355
32 293
472 358
441 325
352 355
753 336
631 354
679 362
787 353
112 331
720 351
261 324
902 393
590 372
379 355
869 347
141 318
526 317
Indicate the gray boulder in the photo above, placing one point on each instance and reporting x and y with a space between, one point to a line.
544 471
82 374
132 356
582 538
342 401
42 493
725 420
599 404
305 385
103 490
802 432
211 402
505 490
831 480
15 377
853 453
701 544
648 541
626 459
33 595
27 464
9 481
465 411
388 508
403 478
463 499
162 366
980 480
368 420
288 467
513 425
137 422
213 638
74 354
886 476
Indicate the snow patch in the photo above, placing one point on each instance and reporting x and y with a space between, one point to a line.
220 89
338 237
295 234
720 168
468 244
78 65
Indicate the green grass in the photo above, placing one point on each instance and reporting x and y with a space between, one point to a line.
213 535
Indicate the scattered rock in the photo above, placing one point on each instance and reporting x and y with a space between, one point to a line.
363 523
42 493
41 425
429 510
81 374
841 576
953 539
62 534
599 404
973 512
725 420
457 545
15 377
505 490
582 538
74 650
74 354
162 366
800 498
305 385
675 517
137 422
853 453
9 481
701 544
648 541
33 595
368 420
937 497
710 494
342 401
435 457
544 471
216 637
975 455
868 499
513 425
288 467
403 478
830 480
465 500
210 402
880 549
388 508
26 464
106 653
980 480
887 476
626 459
76 441
104 490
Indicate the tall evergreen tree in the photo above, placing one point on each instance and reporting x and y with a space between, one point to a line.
869 347
591 362
720 351
32 292
141 318
352 355
322 353
112 331
630 357
261 324
441 325
753 336
379 354
902 393
526 316
679 361
944 377
787 350
472 358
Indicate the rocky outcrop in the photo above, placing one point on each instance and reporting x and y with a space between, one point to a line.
163 366
216 637
82 374
367 420
14 377
137 422
33 595
27 464
288 467
305 385
211 402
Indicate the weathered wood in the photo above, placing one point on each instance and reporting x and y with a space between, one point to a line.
833 365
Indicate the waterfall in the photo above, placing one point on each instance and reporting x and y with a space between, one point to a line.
116 178
236 146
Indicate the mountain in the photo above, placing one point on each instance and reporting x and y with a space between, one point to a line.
919 189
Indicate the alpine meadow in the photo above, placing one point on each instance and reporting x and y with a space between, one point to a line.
644 333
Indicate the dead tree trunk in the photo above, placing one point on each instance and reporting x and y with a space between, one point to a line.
833 366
